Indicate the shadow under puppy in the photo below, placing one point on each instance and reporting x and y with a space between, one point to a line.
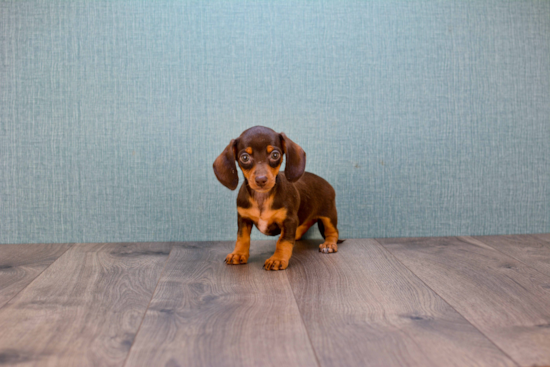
286 203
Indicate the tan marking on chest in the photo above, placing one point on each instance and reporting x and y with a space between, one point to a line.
263 216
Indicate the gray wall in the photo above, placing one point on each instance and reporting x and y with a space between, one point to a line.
429 118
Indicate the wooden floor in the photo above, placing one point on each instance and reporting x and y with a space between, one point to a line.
452 301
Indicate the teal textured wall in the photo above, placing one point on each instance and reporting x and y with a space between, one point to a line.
428 118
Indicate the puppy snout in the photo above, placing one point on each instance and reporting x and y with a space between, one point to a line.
261 180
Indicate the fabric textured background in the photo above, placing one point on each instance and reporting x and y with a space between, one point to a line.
429 118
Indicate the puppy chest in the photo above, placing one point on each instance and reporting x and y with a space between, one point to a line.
268 221
268 228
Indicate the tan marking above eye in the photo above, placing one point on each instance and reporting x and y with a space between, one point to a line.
270 148
248 150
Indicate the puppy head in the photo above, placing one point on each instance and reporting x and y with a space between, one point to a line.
259 152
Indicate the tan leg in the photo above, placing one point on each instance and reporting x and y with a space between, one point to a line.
285 244
242 247
300 231
331 236
279 260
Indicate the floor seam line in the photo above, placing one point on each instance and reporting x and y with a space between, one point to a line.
36 277
148 305
447 302
303 322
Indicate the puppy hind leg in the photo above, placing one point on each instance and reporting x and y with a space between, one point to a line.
321 228
328 229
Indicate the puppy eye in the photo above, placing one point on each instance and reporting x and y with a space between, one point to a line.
275 155
245 158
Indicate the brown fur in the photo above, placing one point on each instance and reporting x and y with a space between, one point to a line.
286 203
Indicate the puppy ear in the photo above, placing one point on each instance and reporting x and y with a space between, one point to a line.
225 168
295 159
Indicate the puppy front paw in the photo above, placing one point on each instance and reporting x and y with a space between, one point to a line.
328 248
276 263
236 258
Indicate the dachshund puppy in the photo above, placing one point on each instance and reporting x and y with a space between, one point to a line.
276 203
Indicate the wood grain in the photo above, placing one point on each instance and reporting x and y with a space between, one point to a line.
85 309
207 313
20 264
362 307
529 249
505 299
543 237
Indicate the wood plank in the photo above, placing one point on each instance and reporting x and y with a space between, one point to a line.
505 299
207 313
85 309
529 249
20 264
543 236
363 308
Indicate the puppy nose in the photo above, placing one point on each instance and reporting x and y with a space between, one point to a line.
261 180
